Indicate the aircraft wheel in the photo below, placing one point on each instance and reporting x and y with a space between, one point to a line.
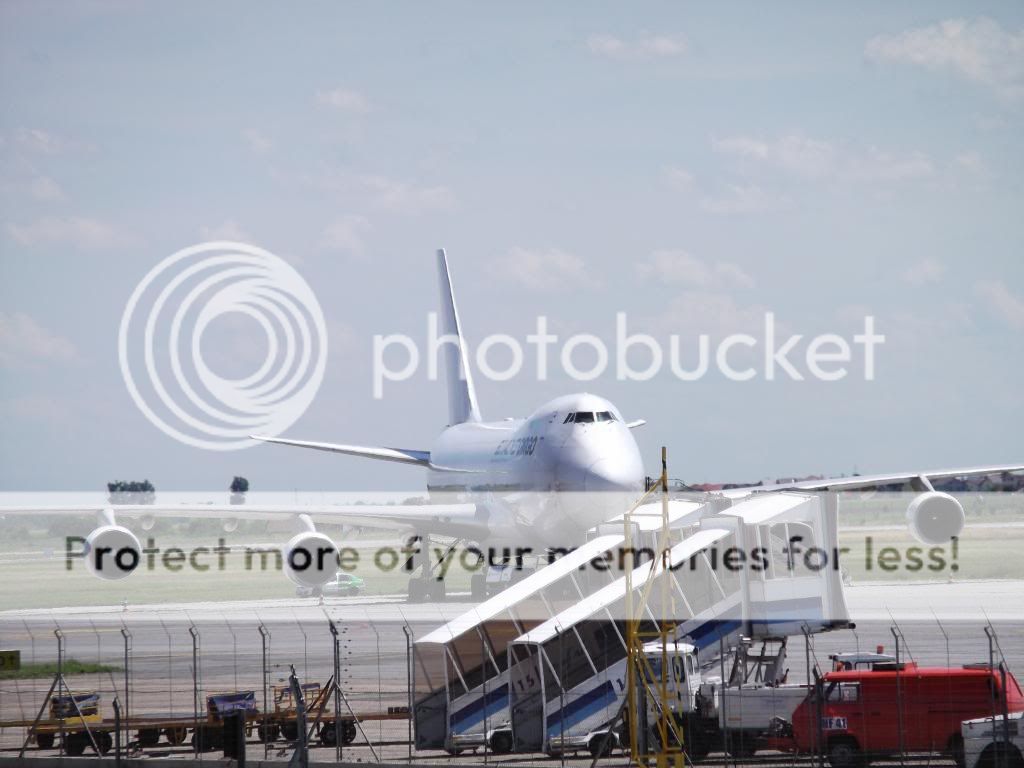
416 591
478 587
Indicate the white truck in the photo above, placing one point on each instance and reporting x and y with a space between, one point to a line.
994 742
587 715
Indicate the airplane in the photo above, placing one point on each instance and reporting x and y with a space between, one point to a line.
545 479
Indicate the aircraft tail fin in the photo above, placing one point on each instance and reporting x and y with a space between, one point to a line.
462 405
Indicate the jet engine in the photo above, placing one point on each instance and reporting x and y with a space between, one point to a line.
935 517
112 552
310 559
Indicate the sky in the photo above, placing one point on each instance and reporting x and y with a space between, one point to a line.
693 166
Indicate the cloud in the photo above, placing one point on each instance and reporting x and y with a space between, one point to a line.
378 191
40 141
1004 303
679 178
979 50
45 189
717 314
406 196
228 229
743 198
818 159
545 269
648 47
256 141
23 342
679 267
972 162
345 234
78 231
794 153
876 165
345 99
924 271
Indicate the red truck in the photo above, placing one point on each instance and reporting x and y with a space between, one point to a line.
862 715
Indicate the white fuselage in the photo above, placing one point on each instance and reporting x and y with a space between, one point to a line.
548 478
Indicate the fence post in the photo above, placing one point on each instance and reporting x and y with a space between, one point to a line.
60 684
899 693
197 740
335 642
264 636
408 681
117 732
127 674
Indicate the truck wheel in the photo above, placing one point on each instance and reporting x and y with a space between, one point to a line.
348 732
267 732
149 737
45 740
74 744
176 736
742 745
601 745
844 753
999 755
956 750
289 731
328 736
501 743
105 742
697 748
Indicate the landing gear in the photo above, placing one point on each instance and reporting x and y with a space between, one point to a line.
425 587
423 590
478 587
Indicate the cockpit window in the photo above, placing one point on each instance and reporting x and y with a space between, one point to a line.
589 417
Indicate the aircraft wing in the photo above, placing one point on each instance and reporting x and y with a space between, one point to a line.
868 481
401 455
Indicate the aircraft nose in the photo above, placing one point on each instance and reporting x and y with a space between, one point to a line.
609 475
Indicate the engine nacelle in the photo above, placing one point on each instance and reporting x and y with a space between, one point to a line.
112 552
310 559
935 517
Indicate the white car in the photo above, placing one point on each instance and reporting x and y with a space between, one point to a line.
987 740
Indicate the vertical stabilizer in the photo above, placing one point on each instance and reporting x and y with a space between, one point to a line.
461 395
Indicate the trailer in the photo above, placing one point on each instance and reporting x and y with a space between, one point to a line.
78 719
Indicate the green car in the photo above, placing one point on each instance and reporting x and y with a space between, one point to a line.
342 584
